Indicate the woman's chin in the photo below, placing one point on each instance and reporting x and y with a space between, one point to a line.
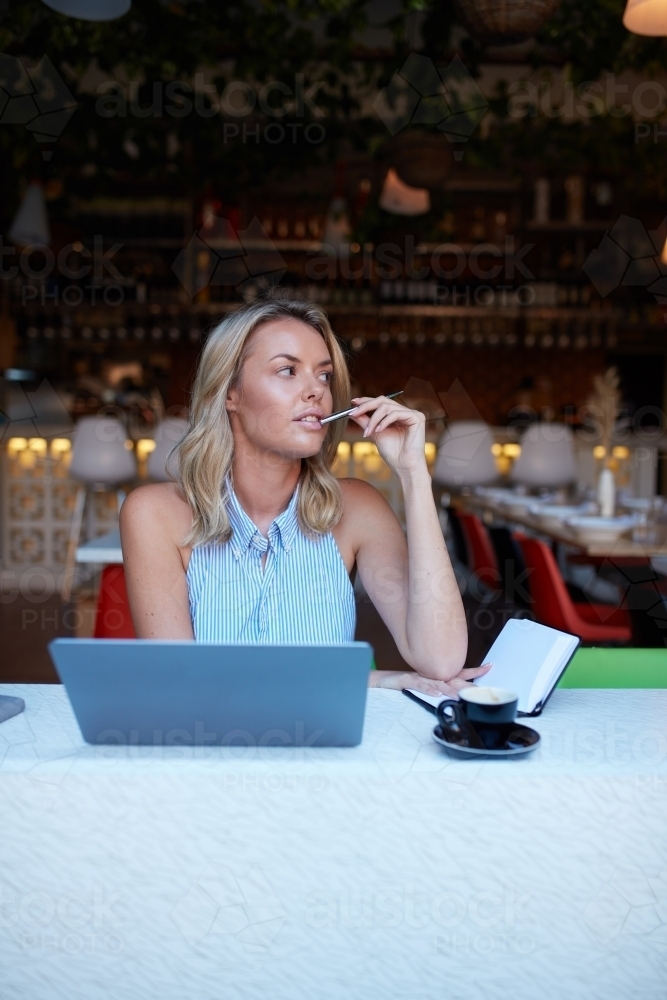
308 441
296 449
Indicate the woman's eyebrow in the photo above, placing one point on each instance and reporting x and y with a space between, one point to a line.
290 357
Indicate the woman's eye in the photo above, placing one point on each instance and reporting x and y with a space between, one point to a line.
289 368
329 376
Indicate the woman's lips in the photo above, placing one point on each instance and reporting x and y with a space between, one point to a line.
311 422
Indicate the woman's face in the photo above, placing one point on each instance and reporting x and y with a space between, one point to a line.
284 388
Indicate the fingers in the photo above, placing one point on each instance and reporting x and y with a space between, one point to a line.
384 412
477 671
379 421
363 401
458 684
389 679
465 677
427 686
398 680
388 413
362 421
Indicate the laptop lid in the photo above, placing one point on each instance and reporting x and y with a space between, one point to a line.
148 692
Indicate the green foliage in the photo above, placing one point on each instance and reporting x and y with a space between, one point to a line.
159 42
591 38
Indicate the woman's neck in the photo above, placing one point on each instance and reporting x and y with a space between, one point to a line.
264 493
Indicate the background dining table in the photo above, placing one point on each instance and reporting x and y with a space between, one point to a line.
387 870
624 547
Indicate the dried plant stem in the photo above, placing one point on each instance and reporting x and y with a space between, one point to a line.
605 400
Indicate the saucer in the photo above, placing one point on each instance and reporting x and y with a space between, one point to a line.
523 740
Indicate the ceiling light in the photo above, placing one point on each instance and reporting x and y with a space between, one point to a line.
90 10
401 199
646 17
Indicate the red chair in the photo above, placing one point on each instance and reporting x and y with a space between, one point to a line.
113 619
552 604
481 553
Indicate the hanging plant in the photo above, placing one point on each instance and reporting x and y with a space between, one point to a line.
506 20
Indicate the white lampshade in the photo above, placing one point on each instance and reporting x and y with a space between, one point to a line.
90 10
163 459
99 454
401 199
547 457
464 455
30 223
646 17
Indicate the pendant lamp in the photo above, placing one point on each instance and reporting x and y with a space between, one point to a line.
90 10
30 223
400 199
646 17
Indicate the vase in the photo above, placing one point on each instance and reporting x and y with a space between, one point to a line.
606 493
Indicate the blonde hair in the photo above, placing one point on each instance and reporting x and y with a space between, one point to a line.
205 453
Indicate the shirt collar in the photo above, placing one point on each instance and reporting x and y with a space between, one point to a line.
246 532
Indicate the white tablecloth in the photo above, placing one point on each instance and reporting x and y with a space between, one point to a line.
385 871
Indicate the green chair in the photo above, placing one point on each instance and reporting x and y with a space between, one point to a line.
597 667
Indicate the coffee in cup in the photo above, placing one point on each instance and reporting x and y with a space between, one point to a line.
481 718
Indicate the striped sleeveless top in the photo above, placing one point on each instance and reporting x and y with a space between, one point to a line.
302 596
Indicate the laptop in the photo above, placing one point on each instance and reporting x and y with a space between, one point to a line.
176 693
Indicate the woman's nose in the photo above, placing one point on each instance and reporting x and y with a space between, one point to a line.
315 388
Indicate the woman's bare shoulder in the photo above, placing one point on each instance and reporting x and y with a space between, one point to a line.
362 500
157 508
367 520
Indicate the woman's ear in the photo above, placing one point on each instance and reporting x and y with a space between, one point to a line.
233 395
231 402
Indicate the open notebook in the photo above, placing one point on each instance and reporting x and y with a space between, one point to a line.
528 658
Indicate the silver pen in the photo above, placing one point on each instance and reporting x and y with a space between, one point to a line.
345 413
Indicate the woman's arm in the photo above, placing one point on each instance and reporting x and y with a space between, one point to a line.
153 521
412 585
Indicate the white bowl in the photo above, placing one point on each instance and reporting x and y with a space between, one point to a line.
640 504
517 505
493 492
553 516
600 530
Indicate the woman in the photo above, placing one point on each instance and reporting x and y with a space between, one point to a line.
257 539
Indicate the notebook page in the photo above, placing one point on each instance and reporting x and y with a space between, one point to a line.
518 655
433 699
527 658
549 672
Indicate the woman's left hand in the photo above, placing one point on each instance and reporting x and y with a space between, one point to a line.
396 430
397 680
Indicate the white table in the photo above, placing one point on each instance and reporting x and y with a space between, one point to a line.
105 549
386 871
